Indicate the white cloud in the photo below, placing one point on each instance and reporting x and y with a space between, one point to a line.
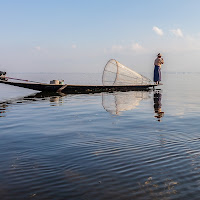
158 31
38 48
74 46
127 48
117 48
190 38
177 32
136 47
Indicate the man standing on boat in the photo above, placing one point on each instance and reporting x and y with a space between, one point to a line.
157 69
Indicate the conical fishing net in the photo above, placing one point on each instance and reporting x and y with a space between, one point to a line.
117 74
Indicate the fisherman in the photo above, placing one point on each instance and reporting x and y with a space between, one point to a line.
157 69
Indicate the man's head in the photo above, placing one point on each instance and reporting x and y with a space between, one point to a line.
159 55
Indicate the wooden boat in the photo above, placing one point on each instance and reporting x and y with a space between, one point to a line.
73 89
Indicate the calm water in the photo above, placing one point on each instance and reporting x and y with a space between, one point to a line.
130 145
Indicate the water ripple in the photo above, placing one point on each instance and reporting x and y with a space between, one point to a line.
70 147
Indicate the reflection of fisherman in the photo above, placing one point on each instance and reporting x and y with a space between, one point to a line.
157 105
157 69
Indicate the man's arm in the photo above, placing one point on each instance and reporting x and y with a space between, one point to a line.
162 61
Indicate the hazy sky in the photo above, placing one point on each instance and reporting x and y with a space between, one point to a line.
82 35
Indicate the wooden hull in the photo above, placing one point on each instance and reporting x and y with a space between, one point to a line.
73 89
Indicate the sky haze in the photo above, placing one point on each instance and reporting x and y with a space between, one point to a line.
82 35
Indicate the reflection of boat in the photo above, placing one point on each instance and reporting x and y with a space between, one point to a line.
54 98
117 102
114 103
3 109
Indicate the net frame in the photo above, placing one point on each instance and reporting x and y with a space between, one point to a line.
116 74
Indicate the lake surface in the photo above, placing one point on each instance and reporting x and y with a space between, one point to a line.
122 145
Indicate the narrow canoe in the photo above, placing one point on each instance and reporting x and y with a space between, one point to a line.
71 89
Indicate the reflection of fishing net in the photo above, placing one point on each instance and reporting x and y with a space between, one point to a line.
117 74
117 102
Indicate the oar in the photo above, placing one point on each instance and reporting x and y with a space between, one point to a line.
21 80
